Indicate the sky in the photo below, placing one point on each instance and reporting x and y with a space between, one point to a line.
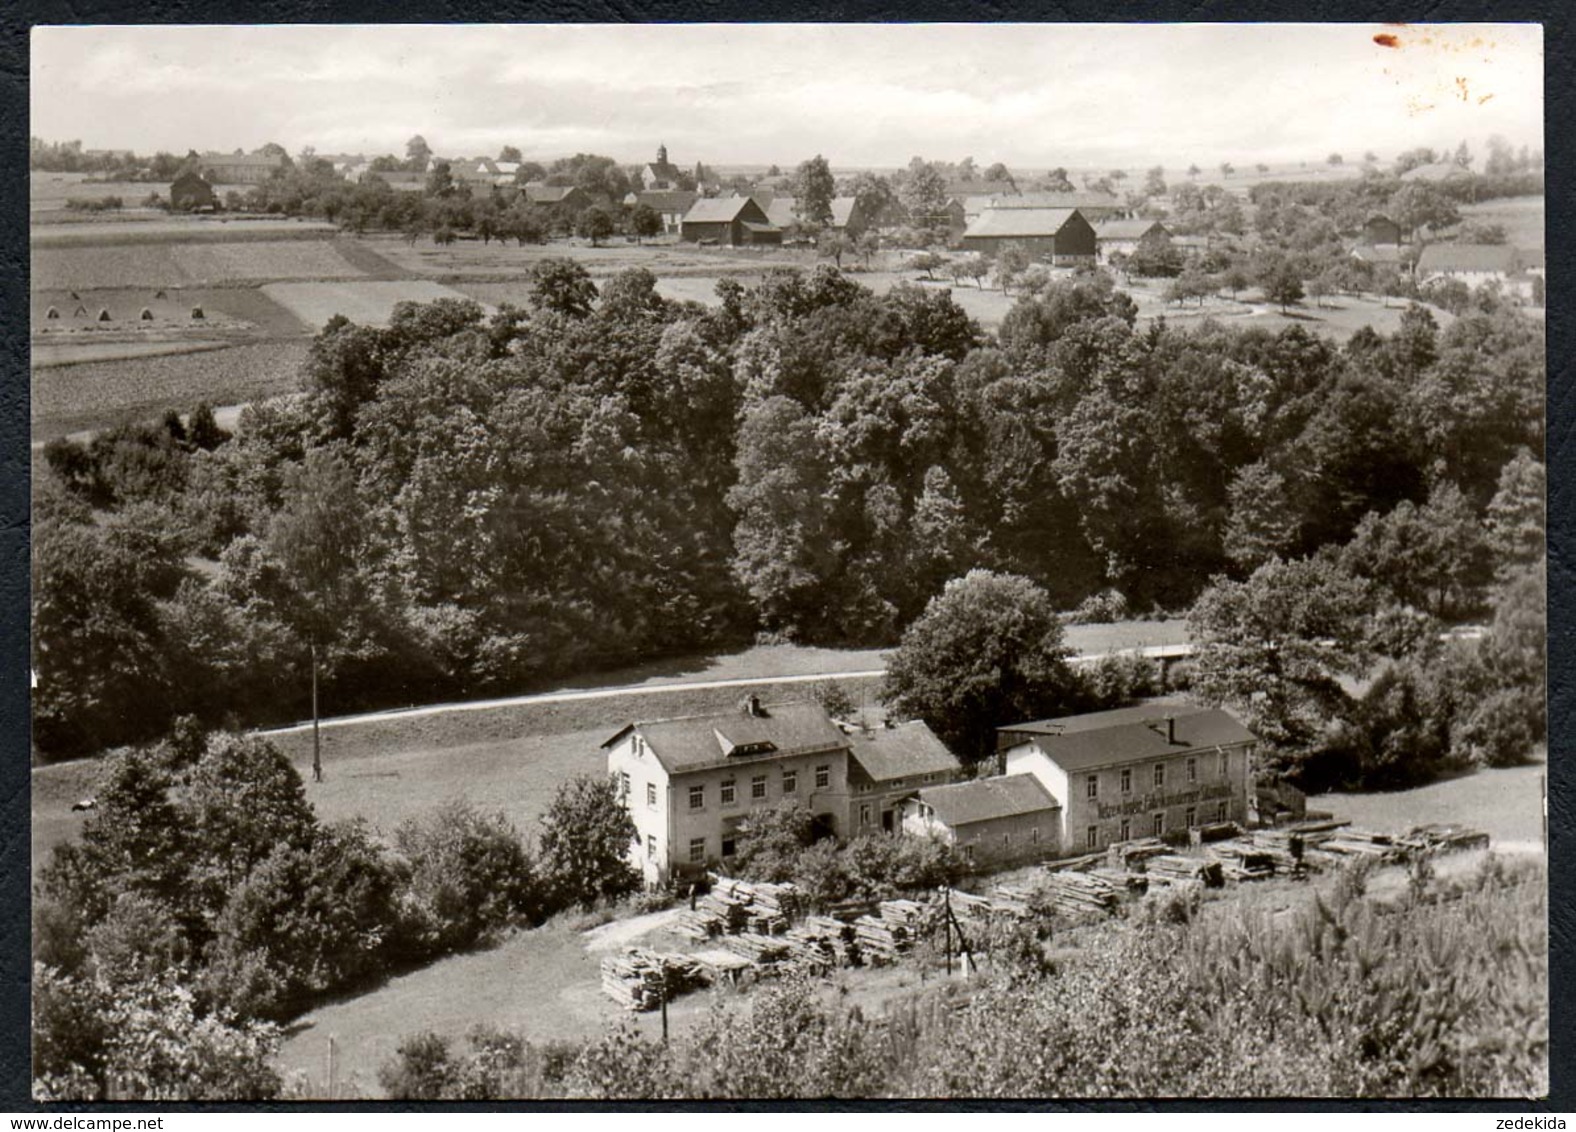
870 95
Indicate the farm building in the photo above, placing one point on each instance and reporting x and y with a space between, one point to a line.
887 764
1135 772
661 173
847 217
670 204
950 216
570 197
190 193
999 821
780 209
239 168
1060 234
691 784
731 221
1476 265
1124 237
1381 231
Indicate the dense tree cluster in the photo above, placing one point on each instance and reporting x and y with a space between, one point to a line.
462 504
204 902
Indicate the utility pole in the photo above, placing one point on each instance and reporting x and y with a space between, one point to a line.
664 1002
946 923
317 746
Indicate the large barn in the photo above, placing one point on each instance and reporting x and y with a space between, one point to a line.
730 221
1060 234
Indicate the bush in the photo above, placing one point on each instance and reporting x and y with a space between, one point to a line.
1102 609
470 877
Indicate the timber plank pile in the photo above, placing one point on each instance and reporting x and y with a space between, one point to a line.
638 979
1080 893
1240 861
1444 838
1014 900
733 906
761 950
1135 884
1174 869
1129 856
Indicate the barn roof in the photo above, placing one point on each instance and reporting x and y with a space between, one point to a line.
1128 735
987 799
1468 257
721 210
780 210
1128 229
1008 223
842 210
900 751
696 741
549 194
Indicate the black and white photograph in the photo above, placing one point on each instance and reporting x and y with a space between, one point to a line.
816 562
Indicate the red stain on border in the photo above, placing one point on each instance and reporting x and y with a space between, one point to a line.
1385 39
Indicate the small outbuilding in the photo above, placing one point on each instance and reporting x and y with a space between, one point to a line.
190 193
1060 234
990 821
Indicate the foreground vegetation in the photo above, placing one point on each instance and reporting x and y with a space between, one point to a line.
1439 990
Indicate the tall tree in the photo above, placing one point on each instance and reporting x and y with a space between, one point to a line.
584 842
814 189
417 154
986 652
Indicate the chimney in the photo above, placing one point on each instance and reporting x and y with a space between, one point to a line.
1171 729
752 706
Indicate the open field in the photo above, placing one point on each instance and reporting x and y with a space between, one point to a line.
48 192
170 264
501 261
69 353
1523 218
163 228
369 302
245 311
95 395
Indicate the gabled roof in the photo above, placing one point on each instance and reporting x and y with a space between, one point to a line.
1128 735
980 188
1468 257
667 200
697 741
663 170
987 799
549 194
842 210
1128 229
723 210
900 751
1019 222
1377 253
780 211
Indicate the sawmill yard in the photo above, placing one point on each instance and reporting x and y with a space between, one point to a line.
547 984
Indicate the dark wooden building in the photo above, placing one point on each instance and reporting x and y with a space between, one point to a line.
190 193
1060 234
1380 230
729 221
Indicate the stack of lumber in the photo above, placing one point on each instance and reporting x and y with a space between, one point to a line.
1130 855
1448 838
1320 825
1081 864
1240 860
1218 831
780 900
965 905
1013 900
698 925
1078 893
1353 843
1173 869
636 979
757 949
718 965
823 936
1274 844
907 914
731 912
851 910
880 940
1135 883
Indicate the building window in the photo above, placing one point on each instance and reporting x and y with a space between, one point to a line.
823 777
697 854
1006 841
1160 825
727 792
651 794
758 786
1191 817
1127 782
1034 836
651 845
897 784
1160 774
790 781
1127 830
727 847
623 784
1092 836
697 797
864 813
968 853
1092 786
1220 812
1192 770
1225 764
